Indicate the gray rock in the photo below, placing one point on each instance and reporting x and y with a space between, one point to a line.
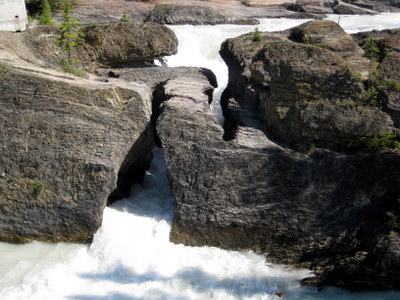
125 43
114 45
326 211
308 91
64 144
349 9
194 15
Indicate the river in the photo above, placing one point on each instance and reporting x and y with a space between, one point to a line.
131 256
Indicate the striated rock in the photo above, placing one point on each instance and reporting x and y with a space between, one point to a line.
327 211
112 45
308 91
126 43
64 145
329 35
194 15
350 9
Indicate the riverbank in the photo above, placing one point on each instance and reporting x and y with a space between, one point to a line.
220 12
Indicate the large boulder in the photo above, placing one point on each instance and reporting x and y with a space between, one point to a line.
329 35
116 44
331 212
65 144
309 90
127 43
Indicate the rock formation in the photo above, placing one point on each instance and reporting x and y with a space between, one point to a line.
216 12
308 87
335 213
71 145
63 144
113 45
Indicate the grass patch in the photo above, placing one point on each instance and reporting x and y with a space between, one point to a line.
126 18
393 85
38 188
71 69
4 68
388 140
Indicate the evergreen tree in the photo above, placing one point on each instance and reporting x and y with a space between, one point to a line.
126 18
70 32
46 16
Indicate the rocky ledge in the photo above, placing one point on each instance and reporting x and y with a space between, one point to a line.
71 145
240 188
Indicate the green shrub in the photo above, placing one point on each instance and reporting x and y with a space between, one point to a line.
393 85
371 49
38 188
256 35
387 140
59 4
69 32
245 2
71 69
126 18
46 17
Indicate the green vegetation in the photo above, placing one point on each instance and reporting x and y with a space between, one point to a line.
35 8
126 18
46 16
38 188
377 83
60 4
371 49
387 140
393 85
4 69
245 2
70 36
256 35
71 69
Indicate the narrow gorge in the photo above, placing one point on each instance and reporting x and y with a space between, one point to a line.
274 176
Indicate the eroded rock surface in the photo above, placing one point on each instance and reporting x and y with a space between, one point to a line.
332 212
323 211
63 143
113 45
309 90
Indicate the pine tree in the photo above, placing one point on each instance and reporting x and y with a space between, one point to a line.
126 18
70 32
46 17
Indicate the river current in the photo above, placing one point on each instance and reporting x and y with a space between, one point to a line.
131 256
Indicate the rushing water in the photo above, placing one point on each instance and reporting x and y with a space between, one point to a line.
131 256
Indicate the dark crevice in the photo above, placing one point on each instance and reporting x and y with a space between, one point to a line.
134 166
158 97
